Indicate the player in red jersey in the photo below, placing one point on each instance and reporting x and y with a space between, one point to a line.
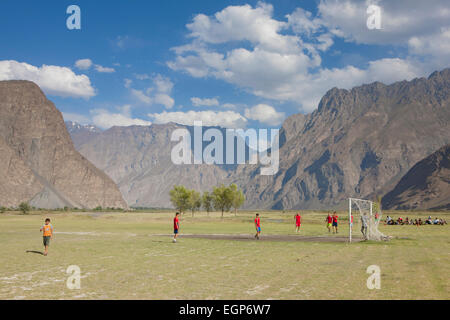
329 221
298 222
257 226
176 226
335 222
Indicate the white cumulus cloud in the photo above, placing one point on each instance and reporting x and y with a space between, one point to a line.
78 118
141 96
53 80
165 100
127 83
400 19
101 69
205 102
281 59
159 93
86 64
265 114
83 64
226 119
105 119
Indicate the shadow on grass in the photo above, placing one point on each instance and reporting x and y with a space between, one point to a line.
33 251
379 243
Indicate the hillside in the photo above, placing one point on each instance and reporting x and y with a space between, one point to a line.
138 159
38 158
358 143
81 134
425 186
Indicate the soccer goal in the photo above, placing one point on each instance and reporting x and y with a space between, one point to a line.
368 215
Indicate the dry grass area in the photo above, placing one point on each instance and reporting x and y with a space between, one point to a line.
131 256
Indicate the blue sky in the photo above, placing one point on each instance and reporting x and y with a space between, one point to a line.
229 63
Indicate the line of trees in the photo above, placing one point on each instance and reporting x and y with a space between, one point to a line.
23 207
221 198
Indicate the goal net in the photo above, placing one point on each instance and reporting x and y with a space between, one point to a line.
364 216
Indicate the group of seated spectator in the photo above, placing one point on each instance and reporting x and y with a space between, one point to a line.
415 222
436 221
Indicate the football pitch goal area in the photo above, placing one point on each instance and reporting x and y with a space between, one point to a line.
368 215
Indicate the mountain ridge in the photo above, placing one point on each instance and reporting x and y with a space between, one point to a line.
34 137
425 186
377 125
357 143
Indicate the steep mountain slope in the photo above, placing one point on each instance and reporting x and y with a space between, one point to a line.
38 158
425 186
138 159
18 182
81 134
358 143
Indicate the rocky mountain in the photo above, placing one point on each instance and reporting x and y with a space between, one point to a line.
38 162
425 186
138 159
81 134
358 143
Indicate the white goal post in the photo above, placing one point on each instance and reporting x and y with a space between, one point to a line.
369 218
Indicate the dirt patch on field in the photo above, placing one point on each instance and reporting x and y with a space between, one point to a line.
287 238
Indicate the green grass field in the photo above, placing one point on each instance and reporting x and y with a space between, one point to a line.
131 256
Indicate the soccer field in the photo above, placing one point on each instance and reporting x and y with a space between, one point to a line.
131 256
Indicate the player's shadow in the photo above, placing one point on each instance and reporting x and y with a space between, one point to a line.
33 251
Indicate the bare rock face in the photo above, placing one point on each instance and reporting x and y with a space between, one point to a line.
39 159
17 180
425 186
81 134
359 143
138 159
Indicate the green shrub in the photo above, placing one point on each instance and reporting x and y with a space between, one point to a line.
24 207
